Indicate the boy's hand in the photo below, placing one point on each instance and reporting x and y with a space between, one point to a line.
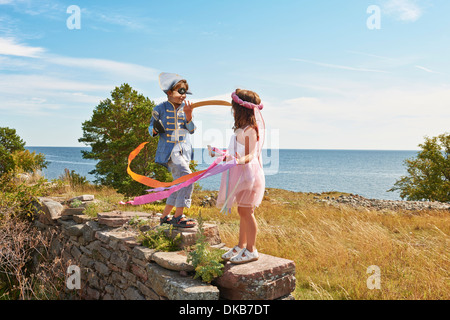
188 110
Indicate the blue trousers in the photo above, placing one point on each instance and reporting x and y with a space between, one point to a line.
179 167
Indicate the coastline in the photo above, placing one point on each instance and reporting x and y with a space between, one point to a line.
338 199
357 201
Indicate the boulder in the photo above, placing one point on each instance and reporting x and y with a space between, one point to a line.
173 261
50 210
268 278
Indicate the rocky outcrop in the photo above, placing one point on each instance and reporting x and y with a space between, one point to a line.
357 201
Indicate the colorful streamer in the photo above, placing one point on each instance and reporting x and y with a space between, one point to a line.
162 190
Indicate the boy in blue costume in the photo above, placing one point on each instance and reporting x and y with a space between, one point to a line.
172 121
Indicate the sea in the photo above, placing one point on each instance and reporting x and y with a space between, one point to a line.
368 173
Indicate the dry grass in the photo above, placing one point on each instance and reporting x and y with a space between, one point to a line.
333 247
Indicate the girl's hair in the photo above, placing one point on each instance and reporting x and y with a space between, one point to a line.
244 117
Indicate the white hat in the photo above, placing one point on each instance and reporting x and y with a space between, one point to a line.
168 80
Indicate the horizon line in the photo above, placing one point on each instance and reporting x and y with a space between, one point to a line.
310 149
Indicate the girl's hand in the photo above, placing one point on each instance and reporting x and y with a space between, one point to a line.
240 160
211 152
188 110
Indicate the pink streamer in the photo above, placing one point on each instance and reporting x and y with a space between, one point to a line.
161 193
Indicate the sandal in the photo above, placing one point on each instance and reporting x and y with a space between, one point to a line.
245 256
165 220
182 222
231 253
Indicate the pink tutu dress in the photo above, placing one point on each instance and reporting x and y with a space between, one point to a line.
243 185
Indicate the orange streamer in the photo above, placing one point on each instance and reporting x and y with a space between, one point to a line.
152 182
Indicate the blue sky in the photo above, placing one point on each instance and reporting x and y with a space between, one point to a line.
327 81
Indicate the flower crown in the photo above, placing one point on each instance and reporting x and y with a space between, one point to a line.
245 104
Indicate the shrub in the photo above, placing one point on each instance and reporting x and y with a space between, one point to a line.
429 173
160 238
206 261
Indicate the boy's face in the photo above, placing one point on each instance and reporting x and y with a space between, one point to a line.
177 94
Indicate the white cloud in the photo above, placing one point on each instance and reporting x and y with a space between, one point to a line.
382 118
106 66
404 10
10 47
334 66
427 70
51 84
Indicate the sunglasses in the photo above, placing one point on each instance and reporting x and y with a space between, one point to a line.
182 91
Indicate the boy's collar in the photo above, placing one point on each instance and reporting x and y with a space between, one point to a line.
174 105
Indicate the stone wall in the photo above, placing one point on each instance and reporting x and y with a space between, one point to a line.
114 266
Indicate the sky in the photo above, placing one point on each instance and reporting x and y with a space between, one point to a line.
351 74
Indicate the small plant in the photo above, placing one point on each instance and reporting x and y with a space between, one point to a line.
76 203
91 210
160 238
207 262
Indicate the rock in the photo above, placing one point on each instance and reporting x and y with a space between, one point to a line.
102 268
72 211
119 218
50 211
90 227
183 273
170 284
84 197
173 261
189 235
75 230
143 253
121 260
265 279
92 294
357 201
133 294
127 238
81 218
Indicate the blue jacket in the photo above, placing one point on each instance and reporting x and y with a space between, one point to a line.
174 121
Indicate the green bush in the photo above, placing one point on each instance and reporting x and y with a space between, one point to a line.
14 157
73 179
207 262
160 238
429 173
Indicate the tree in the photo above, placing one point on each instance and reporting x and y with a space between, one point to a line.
117 126
10 140
429 174
14 156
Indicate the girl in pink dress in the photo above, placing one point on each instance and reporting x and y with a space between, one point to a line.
244 184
